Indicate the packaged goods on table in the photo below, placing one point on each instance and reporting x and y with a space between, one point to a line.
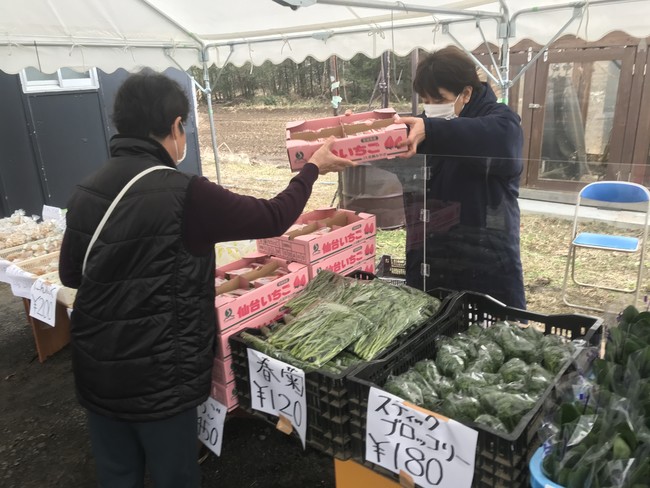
488 384
329 329
335 314
487 376
600 435
20 229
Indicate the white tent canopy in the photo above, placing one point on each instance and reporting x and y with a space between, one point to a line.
49 34
112 34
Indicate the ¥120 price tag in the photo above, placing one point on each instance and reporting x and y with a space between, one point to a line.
432 450
278 388
211 417
43 301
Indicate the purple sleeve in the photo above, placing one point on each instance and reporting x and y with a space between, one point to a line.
214 214
69 272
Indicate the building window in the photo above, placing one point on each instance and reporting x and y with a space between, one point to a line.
63 79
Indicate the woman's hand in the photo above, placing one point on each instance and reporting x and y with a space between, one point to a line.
327 161
416 135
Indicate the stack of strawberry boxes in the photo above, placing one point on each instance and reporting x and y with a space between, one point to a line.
341 241
250 293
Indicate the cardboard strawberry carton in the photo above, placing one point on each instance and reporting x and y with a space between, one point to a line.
345 261
245 303
363 137
346 228
368 266
226 394
222 371
267 317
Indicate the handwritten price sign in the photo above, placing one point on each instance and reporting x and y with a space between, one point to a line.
211 417
279 389
431 450
43 301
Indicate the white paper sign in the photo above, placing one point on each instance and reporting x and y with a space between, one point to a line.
21 281
212 416
51 213
433 450
43 301
4 264
278 388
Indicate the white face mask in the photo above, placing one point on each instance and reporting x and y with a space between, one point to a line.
441 110
182 158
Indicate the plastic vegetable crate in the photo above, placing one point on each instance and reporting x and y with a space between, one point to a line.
392 270
501 459
327 398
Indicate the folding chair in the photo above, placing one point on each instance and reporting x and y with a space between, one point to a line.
630 196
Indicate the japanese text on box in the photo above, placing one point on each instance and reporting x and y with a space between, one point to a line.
278 388
434 451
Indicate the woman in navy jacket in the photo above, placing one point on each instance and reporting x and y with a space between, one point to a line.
474 147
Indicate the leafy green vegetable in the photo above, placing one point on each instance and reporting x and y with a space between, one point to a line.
322 332
514 344
514 370
451 359
403 388
538 378
491 421
429 371
460 407
508 407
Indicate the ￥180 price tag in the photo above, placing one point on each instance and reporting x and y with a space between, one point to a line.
419 445
279 389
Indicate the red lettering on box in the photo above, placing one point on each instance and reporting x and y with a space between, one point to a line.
243 310
374 145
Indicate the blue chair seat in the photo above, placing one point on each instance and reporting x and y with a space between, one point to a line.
609 242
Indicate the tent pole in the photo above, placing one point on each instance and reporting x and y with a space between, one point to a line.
415 55
208 93
504 58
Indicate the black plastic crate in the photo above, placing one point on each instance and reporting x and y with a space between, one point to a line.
501 459
328 414
391 269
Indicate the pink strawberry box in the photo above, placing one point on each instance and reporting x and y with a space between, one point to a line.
310 248
222 371
347 260
362 137
267 317
235 310
225 394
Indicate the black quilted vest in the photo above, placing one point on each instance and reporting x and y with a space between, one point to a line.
143 326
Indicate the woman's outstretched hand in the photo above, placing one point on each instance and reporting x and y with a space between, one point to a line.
327 161
416 135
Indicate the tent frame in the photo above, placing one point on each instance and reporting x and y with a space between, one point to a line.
506 28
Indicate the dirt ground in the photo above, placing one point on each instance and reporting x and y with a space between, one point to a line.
43 441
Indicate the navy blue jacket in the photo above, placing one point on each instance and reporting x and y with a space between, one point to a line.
473 233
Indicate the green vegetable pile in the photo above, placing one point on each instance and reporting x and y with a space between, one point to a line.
601 436
337 322
491 377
